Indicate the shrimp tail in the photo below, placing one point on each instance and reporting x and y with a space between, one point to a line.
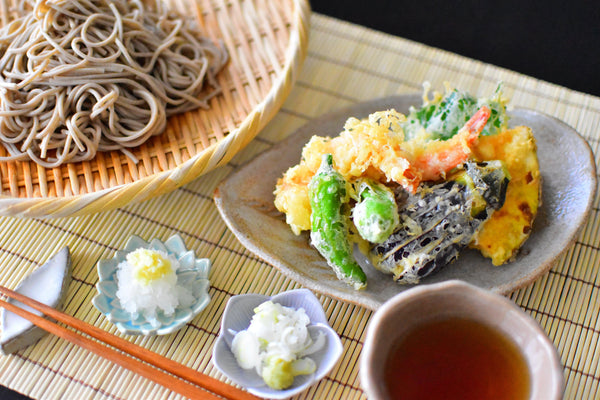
440 157
473 127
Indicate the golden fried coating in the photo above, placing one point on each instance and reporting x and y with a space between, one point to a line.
508 228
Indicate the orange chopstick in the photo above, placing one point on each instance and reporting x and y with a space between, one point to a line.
192 384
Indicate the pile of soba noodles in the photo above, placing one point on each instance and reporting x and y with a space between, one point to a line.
81 76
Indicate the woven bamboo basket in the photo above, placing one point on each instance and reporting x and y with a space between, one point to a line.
266 40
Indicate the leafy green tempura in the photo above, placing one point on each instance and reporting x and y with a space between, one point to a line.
442 117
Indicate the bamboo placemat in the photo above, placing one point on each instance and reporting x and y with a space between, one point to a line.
345 64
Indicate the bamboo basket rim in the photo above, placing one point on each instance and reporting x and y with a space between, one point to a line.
216 154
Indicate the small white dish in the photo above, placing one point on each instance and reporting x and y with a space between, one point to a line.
237 316
193 274
48 284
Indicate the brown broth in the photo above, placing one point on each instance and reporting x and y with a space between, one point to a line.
456 359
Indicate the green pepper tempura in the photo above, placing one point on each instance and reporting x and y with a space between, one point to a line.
328 193
375 214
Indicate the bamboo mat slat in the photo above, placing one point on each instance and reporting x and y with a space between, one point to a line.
345 64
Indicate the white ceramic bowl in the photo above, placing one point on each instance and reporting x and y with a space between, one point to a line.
427 303
193 273
237 316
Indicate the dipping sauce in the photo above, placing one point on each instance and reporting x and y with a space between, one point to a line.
456 359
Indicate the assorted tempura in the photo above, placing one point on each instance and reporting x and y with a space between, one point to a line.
458 176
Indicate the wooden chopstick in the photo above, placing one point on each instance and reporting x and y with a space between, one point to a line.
192 384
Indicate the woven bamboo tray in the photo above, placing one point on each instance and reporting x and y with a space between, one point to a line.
266 40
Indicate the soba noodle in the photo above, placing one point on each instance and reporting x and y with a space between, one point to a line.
81 76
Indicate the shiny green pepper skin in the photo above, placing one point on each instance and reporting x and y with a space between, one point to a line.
328 193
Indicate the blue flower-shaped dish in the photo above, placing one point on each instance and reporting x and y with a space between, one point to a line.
237 317
193 274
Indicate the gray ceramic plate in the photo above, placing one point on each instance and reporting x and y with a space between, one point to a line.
245 200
